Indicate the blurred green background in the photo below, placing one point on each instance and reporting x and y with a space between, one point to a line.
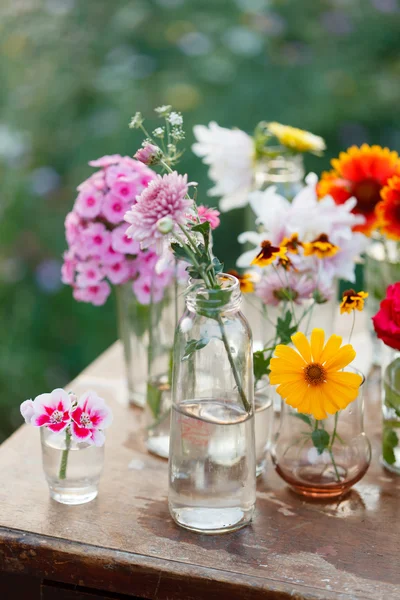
72 73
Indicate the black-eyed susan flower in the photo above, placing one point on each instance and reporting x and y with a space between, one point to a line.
352 300
268 254
292 243
310 377
321 247
246 281
285 263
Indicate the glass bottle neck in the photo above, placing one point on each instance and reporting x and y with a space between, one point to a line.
280 167
212 302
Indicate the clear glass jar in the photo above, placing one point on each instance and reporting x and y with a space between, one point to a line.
212 474
158 402
133 330
381 269
263 421
281 169
391 409
72 469
332 468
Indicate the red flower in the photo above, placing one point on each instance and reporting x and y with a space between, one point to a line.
387 319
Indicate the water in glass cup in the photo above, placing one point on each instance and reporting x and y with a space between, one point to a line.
84 467
212 483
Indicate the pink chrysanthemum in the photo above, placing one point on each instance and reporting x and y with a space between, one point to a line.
274 288
164 197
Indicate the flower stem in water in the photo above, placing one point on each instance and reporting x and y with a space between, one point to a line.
64 457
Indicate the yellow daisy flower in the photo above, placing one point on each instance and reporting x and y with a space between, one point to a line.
352 300
296 139
311 379
268 254
321 247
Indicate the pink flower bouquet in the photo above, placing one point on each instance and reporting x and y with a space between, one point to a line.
100 253
69 424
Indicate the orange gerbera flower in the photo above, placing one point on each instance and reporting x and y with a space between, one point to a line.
388 210
362 173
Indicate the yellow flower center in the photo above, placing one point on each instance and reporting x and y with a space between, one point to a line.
314 374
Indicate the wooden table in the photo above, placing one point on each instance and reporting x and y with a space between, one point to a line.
125 545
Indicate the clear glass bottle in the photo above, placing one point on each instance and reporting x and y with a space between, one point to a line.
212 474
72 469
391 409
281 169
381 269
263 421
332 469
158 403
133 330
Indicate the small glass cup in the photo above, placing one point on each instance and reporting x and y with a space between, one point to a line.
263 419
72 469
335 467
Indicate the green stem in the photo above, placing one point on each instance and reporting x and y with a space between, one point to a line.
246 403
64 457
352 327
330 447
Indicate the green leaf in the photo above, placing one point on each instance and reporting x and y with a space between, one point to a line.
392 386
153 399
304 418
203 228
390 441
179 252
260 364
194 345
320 439
284 330
218 266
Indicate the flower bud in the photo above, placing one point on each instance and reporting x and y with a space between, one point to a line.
149 154
165 225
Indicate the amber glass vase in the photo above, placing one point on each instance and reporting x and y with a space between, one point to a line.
322 459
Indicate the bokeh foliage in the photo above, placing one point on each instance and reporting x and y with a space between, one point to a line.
73 72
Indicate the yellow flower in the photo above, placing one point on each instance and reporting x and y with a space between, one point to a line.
321 247
352 300
246 281
312 379
292 244
297 139
268 254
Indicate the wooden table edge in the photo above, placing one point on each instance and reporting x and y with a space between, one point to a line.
152 578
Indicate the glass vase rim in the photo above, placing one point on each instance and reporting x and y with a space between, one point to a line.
212 301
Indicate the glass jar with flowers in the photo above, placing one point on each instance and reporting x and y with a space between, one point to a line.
294 272
387 327
212 449
101 256
321 449
240 163
371 175
72 436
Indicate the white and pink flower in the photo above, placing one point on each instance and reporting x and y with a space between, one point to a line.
27 410
51 410
89 418
121 242
97 238
88 203
114 208
95 294
119 272
90 273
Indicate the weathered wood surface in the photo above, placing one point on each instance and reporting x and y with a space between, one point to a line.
125 542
